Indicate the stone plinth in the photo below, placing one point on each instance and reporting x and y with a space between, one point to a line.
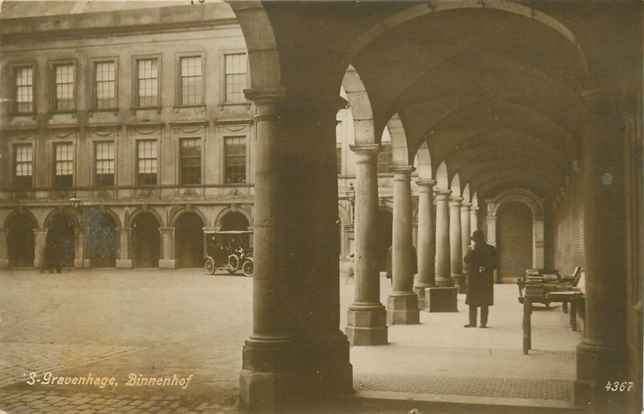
402 308
367 325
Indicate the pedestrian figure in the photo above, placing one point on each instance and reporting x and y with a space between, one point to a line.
480 261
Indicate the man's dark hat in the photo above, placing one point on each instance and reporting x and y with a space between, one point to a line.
478 235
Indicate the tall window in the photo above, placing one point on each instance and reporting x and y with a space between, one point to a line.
105 77
190 151
235 159
24 90
64 165
146 157
147 92
191 81
23 166
65 78
235 73
104 153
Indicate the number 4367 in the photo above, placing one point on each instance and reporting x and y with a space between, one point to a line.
618 386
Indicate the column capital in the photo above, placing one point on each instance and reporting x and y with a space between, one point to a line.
455 200
426 183
166 229
265 95
365 152
402 169
441 193
466 205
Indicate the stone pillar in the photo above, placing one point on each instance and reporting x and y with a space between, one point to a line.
167 244
426 248
442 297
491 223
402 304
366 322
455 246
296 349
124 261
474 218
40 239
80 248
466 231
600 355
4 253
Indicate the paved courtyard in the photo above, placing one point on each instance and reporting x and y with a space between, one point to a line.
188 327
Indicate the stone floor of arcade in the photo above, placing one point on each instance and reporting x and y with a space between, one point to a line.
99 321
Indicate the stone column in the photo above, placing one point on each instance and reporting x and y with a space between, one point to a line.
491 223
600 355
167 244
455 246
4 253
442 297
296 349
466 231
366 322
402 304
426 247
124 261
40 239
474 218
80 249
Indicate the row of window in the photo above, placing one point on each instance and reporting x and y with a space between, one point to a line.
147 83
147 161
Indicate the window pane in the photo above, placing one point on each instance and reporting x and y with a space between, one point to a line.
23 166
104 163
24 89
65 87
235 74
105 85
147 162
148 82
235 159
64 165
190 151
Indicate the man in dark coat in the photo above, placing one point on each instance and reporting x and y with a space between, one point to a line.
480 261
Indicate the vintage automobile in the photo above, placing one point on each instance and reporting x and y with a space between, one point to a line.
230 250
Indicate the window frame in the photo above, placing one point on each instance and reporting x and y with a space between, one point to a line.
224 91
201 169
95 163
13 68
137 179
135 80
53 100
178 78
93 89
14 165
225 160
55 186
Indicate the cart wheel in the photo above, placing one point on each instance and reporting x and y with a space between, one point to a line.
209 265
248 267
233 264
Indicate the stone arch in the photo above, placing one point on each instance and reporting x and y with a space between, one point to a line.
360 106
145 209
63 237
112 214
67 212
455 185
535 204
442 179
176 213
19 227
145 226
400 151
189 240
103 236
21 212
391 22
219 221
466 193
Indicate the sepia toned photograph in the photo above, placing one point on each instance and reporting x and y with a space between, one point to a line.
328 207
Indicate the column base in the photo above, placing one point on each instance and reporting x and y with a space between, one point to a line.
441 299
82 263
459 282
124 263
596 366
420 292
167 264
402 309
4 263
367 325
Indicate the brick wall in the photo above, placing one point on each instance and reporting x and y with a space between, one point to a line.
568 229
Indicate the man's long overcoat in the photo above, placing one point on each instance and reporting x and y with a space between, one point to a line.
480 284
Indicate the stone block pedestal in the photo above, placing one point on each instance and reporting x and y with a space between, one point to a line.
124 263
367 325
441 299
402 309
167 263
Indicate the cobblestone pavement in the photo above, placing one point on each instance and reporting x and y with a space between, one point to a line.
150 322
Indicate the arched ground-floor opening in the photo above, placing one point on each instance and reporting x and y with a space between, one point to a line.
234 220
102 238
514 240
146 240
60 248
189 240
20 240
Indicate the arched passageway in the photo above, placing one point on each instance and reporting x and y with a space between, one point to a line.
146 240
189 240
385 220
514 240
234 220
102 238
20 240
59 245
